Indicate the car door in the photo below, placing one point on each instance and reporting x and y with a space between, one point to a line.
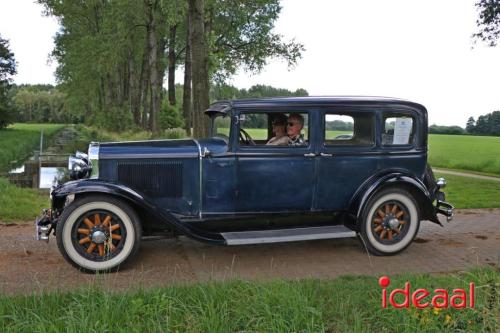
274 178
347 155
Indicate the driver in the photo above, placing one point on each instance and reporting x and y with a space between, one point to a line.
279 129
294 126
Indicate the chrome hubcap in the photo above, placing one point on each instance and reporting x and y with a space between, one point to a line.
98 237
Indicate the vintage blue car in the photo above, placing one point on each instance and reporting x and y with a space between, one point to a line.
273 170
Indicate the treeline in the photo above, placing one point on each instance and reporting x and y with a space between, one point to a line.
114 56
488 124
47 104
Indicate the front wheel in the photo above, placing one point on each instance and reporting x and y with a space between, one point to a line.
98 233
390 222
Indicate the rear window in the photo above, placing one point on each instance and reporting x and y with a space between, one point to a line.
398 130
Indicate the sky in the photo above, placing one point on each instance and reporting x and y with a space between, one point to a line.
416 50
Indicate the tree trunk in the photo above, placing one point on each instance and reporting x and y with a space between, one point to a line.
200 80
171 65
153 65
186 95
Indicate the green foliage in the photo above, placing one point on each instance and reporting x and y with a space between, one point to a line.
224 91
488 124
7 69
345 304
20 204
488 21
452 130
465 152
41 104
18 141
170 116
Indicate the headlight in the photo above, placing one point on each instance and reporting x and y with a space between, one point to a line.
93 154
78 166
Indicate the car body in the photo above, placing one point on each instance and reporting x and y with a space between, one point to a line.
371 178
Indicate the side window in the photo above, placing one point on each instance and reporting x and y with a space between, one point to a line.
353 129
273 129
398 130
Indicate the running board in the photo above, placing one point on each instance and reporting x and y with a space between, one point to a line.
287 235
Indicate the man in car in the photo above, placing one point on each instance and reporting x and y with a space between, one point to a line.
294 126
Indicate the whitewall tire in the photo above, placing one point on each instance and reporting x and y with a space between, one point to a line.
98 233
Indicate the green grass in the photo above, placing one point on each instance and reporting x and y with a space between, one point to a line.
18 141
465 152
346 304
20 204
466 192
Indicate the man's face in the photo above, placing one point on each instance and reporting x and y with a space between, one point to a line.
293 128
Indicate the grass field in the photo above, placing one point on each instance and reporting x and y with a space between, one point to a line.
465 152
20 204
18 141
346 304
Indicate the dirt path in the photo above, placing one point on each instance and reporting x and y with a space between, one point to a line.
471 239
466 174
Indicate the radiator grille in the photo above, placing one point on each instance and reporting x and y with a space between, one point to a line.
155 178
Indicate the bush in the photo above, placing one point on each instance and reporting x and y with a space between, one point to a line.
451 130
170 116
174 133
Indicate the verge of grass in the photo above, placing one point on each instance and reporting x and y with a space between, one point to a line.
467 192
20 204
18 141
346 304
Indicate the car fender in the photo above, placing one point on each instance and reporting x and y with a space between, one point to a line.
121 191
397 179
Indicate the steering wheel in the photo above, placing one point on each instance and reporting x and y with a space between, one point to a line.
246 138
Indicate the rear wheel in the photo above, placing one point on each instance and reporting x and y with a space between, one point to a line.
98 233
390 222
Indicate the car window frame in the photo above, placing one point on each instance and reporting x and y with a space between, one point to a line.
394 113
270 148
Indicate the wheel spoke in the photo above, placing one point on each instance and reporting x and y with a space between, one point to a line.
377 221
387 209
380 213
101 249
114 227
394 209
91 248
97 219
106 220
117 237
382 234
88 223
389 235
83 231
378 229
84 240
398 215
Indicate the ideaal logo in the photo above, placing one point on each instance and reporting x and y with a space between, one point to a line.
439 298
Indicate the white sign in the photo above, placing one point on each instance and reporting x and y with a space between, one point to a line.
402 130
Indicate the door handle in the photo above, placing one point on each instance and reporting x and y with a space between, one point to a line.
326 155
310 155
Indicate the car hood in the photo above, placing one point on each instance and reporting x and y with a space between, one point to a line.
161 148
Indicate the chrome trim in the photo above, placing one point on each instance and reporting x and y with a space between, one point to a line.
150 155
441 183
200 213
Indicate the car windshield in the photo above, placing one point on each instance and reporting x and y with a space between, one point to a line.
221 123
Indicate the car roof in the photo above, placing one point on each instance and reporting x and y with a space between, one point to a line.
225 106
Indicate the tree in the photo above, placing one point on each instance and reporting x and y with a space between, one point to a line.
488 21
470 126
7 70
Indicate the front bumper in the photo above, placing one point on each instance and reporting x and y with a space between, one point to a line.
44 225
443 207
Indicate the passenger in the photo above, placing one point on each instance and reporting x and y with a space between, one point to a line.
279 129
295 125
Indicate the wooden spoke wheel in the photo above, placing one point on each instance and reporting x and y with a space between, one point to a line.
98 233
390 222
